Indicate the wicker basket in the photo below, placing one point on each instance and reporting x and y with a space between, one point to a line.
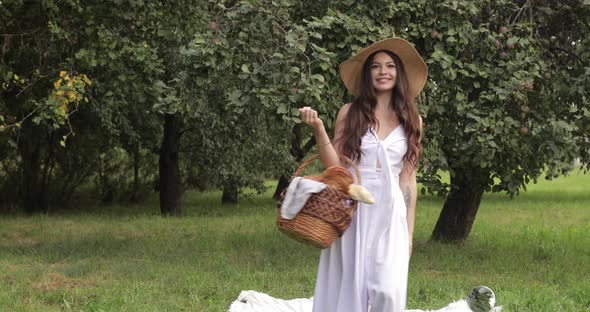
324 217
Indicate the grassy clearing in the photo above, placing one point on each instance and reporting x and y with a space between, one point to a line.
532 250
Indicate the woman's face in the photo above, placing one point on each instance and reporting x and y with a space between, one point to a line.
383 72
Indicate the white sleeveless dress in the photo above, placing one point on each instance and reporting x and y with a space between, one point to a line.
367 268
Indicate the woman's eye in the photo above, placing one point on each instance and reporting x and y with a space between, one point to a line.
391 66
375 66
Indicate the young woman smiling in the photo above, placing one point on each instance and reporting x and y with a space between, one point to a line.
367 268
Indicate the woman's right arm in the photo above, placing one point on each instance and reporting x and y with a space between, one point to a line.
327 149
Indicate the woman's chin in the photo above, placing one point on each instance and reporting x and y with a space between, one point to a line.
382 89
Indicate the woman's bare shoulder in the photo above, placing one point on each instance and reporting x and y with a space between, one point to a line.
346 106
344 111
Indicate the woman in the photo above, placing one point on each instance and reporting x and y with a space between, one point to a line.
367 267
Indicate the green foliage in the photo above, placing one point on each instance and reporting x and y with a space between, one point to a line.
33 58
506 100
495 105
254 64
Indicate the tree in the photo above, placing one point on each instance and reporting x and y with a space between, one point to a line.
84 41
40 90
496 116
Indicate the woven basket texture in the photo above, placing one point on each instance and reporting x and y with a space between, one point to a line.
325 216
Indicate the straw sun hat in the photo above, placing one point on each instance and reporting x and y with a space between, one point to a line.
416 70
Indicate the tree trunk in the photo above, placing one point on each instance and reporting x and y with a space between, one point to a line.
30 185
460 207
170 185
30 180
298 152
281 185
46 175
230 194
136 160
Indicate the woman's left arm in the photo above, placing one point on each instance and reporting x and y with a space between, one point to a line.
409 187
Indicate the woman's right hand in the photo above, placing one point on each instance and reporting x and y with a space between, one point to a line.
327 152
310 117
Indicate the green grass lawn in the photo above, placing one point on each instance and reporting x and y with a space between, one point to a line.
533 250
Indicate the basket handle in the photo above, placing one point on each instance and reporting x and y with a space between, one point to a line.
342 157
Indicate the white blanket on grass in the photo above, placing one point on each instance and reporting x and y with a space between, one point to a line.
253 301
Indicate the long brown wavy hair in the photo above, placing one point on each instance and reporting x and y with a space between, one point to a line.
360 114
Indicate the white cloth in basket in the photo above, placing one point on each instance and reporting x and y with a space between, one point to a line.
298 192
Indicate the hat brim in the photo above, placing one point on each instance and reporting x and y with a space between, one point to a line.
416 70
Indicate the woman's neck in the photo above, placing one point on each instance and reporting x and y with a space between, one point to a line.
383 100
